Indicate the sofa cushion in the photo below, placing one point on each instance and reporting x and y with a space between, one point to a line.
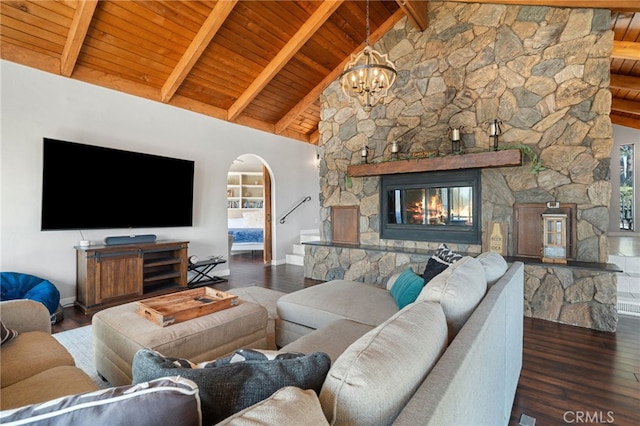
494 266
374 378
6 334
31 353
46 385
406 288
288 406
332 339
227 387
459 289
165 401
321 304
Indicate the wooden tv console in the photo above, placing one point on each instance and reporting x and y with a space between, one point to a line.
115 274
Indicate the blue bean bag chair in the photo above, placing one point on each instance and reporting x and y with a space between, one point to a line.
15 285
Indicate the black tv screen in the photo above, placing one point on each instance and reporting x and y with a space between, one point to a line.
91 187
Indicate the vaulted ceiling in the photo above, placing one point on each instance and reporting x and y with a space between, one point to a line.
261 64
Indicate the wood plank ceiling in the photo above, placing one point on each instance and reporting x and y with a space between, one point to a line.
261 64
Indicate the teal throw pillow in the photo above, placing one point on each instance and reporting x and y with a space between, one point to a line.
407 288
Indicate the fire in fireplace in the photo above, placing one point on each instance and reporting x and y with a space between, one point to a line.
431 206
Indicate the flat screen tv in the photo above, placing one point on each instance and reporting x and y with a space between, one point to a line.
91 187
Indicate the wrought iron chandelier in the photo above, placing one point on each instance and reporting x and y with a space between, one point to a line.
369 75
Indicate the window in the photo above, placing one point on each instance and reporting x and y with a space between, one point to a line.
626 188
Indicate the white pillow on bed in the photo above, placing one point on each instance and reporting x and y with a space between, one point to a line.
253 219
234 223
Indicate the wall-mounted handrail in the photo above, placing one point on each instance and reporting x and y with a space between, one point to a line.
304 200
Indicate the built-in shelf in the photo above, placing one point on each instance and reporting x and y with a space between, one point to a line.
480 160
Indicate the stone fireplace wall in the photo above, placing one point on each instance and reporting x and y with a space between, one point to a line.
544 73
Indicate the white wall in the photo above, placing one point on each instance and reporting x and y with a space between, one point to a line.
623 136
35 104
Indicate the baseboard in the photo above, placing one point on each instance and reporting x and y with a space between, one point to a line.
67 301
276 262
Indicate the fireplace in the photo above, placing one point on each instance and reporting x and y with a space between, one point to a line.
441 206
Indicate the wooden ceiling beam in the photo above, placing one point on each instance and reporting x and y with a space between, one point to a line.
626 50
625 82
77 33
623 120
621 5
625 106
205 34
314 94
416 11
298 40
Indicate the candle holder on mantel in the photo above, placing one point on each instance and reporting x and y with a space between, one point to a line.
395 150
494 132
454 135
364 154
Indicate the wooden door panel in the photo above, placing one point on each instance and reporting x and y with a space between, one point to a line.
118 277
527 229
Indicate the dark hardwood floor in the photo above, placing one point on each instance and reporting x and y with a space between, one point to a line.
570 375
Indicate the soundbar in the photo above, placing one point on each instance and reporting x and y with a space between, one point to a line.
130 239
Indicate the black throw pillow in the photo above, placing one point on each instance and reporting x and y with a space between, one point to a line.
441 260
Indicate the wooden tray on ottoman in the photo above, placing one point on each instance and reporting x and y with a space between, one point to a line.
185 305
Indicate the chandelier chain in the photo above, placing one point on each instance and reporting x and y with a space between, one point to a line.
367 27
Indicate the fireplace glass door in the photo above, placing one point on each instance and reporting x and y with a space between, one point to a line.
433 206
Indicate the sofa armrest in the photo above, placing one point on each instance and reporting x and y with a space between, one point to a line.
25 315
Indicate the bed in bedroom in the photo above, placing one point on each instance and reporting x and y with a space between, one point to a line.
247 232
247 239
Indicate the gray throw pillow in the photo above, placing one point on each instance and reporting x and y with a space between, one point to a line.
166 401
227 387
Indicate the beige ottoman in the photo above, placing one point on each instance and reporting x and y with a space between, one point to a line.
119 332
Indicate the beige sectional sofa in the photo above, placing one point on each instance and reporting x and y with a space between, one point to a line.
35 367
459 367
446 359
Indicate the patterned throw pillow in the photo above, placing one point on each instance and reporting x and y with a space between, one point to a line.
441 260
227 387
6 334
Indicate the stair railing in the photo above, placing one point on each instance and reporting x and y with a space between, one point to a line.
301 202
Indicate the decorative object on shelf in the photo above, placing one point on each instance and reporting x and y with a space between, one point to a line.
425 154
554 241
454 134
193 259
364 153
395 149
369 75
496 238
494 132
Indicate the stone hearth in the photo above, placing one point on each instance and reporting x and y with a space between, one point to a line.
544 73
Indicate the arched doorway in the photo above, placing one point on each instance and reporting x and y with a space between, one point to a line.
249 207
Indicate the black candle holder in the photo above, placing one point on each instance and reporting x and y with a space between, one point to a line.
455 146
364 154
494 133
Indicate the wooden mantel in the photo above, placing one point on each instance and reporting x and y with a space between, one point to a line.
480 160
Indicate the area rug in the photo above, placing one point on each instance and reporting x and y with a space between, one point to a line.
79 343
